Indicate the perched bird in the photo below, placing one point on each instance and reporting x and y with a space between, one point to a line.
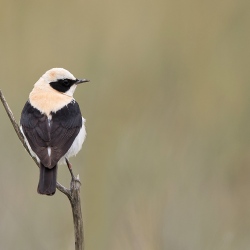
52 124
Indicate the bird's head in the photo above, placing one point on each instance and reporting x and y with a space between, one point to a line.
62 80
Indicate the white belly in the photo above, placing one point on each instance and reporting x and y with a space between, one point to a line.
77 144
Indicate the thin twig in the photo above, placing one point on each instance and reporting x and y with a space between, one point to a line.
15 125
21 138
73 193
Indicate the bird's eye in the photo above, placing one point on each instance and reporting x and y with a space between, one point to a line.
66 82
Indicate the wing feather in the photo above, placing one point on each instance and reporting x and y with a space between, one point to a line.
64 126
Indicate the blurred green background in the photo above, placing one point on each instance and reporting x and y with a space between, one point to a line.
166 162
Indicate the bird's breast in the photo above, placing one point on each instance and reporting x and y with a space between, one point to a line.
47 101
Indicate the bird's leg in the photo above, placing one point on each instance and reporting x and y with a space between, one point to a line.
70 169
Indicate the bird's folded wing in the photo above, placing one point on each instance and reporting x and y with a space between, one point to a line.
65 126
58 134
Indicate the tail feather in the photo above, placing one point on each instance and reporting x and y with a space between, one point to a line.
47 180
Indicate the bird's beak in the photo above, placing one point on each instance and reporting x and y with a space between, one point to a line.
78 81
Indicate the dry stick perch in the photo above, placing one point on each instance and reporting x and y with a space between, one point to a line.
73 193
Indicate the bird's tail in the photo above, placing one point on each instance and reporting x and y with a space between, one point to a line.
47 180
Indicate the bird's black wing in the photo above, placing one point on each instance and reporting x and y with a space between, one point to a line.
58 134
37 132
65 126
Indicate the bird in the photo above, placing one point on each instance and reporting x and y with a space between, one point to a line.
52 124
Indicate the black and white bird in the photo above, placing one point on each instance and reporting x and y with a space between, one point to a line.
52 124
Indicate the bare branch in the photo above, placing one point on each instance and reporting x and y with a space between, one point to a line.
75 202
73 193
21 138
15 125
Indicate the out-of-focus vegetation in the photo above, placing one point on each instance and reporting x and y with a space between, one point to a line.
166 163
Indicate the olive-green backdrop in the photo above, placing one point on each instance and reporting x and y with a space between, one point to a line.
166 163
